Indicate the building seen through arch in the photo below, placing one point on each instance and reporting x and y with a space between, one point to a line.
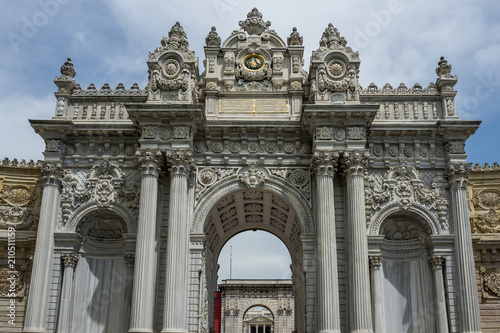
141 188
258 306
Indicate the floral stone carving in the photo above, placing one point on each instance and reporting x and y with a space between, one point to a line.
104 184
403 184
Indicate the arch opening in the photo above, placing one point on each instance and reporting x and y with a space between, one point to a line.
101 277
269 214
407 284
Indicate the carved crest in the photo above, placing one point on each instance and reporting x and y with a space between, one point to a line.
252 177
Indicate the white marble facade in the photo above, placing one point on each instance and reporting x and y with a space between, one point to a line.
365 186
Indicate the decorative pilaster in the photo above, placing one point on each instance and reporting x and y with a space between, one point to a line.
144 286
69 261
439 295
324 165
129 264
177 257
468 306
358 275
378 307
36 311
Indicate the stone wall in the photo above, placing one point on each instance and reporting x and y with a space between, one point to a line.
20 195
484 206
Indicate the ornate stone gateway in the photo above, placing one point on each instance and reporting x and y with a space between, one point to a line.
142 188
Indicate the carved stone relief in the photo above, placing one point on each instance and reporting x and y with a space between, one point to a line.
404 185
16 206
13 281
103 185
490 282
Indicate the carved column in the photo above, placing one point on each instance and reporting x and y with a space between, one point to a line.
36 311
439 296
177 256
69 260
358 275
468 306
326 246
144 286
378 307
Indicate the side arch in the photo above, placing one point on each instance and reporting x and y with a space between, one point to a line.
90 207
421 212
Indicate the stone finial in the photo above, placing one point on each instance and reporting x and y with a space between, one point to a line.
331 37
443 68
68 70
254 24
177 38
295 39
212 38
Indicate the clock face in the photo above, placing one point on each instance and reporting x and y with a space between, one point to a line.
254 62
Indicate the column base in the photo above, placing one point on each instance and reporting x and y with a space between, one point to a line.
34 330
362 331
329 331
172 331
140 330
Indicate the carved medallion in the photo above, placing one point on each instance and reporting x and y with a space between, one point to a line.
271 147
299 177
199 147
254 62
339 135
217 147
234 147
289 147
171 68
491 282
336 68
207 176
253 147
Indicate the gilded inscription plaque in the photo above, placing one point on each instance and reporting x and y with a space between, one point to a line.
254 106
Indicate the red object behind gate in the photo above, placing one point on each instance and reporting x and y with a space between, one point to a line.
217 311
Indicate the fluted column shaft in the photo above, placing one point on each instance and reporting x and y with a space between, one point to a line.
36 311
144 286
439 297
69 260
177 258
358 275
468 305
326 246
378 308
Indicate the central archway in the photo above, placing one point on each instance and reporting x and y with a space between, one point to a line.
277 212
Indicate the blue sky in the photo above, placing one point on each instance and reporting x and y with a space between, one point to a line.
109 41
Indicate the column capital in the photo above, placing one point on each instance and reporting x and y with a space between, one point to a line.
375 261
354 162
51 173
129 260
70 259
324 163
180 162
149 161
458 173
436 261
